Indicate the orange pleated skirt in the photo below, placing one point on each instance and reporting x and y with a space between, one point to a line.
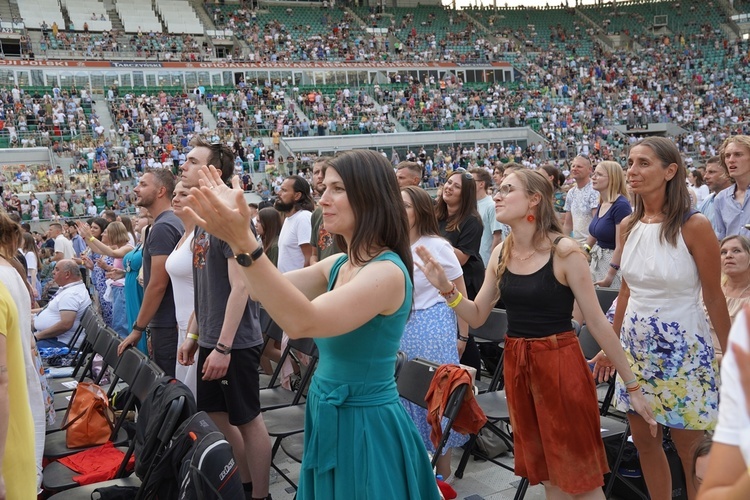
554 413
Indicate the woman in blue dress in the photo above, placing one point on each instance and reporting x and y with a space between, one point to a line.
431 332
94 262
359 441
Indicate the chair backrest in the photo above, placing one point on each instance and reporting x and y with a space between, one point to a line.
129 366
606 296
110 356
589 346
274 331
414 380
494 329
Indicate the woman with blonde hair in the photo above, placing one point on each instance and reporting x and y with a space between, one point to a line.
551 393
115 244
604 230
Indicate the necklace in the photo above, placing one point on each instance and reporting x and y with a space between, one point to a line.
515 256
739 295
649 218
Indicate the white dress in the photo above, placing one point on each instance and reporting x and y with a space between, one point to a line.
179 266
665 332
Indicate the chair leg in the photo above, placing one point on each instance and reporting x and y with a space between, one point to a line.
521 490
616 465
286 478
469 447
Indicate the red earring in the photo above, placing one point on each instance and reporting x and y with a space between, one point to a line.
530 218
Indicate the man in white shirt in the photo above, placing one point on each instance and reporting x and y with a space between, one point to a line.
492 234
63 246
296 203
55 324
581 201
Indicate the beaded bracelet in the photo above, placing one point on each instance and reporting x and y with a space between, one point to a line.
446 295
456 301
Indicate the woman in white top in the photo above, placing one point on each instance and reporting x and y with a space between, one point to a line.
31 253
728 476
431 331
179 266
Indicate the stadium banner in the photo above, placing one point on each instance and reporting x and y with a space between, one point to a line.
243 65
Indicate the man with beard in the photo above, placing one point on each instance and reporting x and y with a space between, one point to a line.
322 242
296 204
226 331
154 193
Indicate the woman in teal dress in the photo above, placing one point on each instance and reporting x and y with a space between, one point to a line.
359 441
132 263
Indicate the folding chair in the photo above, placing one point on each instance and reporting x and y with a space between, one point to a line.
128 368
413 384
106 344
273 333
278 397
494 330
92 328
605 391
606 296
173 417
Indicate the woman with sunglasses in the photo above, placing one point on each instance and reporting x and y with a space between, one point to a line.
539 273
460 224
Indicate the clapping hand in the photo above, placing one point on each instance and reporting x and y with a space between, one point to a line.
84 230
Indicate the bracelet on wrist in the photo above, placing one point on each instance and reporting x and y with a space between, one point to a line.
192 336
462 338
456 301
616 267
635 388
587 247
138 328
91 238
629 382
445 295
222 349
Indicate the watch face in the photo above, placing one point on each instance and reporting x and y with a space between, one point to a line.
244 259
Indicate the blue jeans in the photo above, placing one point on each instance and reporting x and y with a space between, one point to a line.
119 312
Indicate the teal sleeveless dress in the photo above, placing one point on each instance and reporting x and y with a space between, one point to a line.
359 441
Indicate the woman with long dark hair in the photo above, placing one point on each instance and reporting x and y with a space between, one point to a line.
96 262
31 253
539 273
431 330
460 224
268 226
355 305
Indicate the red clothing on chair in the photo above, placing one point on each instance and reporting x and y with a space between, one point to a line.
470 417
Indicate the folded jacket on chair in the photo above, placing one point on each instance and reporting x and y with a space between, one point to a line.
96 464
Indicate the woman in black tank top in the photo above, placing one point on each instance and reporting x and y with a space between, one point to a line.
550 389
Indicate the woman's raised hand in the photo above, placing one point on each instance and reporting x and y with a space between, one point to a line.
220 210
84 230
432 269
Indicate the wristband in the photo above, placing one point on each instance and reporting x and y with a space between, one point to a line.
192 336
138 328
222 349
587 247
630 381
462 338
91 238
616 267
456 301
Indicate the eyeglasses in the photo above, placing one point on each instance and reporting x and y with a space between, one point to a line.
504 190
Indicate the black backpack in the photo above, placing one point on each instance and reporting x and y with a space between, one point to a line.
152 412
198 464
